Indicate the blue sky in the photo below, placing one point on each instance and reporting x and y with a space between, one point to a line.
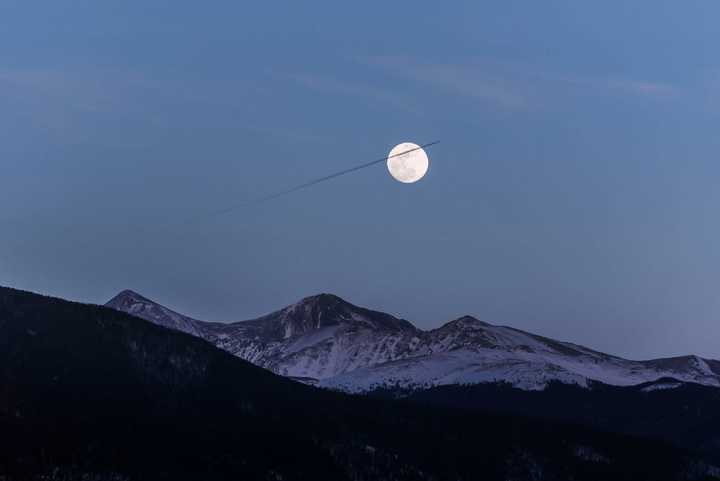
573 193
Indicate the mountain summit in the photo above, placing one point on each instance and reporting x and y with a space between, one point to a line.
133 303
328 310
316 338
328 341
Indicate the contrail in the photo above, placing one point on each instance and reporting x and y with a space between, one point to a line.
315 181
266 198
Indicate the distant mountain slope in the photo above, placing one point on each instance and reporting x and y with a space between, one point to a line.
90 393
353 349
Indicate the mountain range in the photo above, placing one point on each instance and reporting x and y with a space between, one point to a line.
90 393
327 341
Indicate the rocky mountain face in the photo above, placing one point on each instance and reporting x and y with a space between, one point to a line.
330 342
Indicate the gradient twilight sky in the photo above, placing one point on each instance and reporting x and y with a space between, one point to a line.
574 193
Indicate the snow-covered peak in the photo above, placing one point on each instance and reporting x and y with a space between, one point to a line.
466 322
326 310
130 302
470 333
322 299
129 295
133 303
705 370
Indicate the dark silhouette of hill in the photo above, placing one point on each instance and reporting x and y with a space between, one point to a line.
685 414
87 392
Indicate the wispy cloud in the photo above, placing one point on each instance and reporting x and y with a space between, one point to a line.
516 86
467 79
52 101
335 86
653 89
71 104
618 85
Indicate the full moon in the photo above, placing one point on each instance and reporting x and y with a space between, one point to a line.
407 167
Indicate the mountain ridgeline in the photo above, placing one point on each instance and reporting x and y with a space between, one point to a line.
335 344
91 393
